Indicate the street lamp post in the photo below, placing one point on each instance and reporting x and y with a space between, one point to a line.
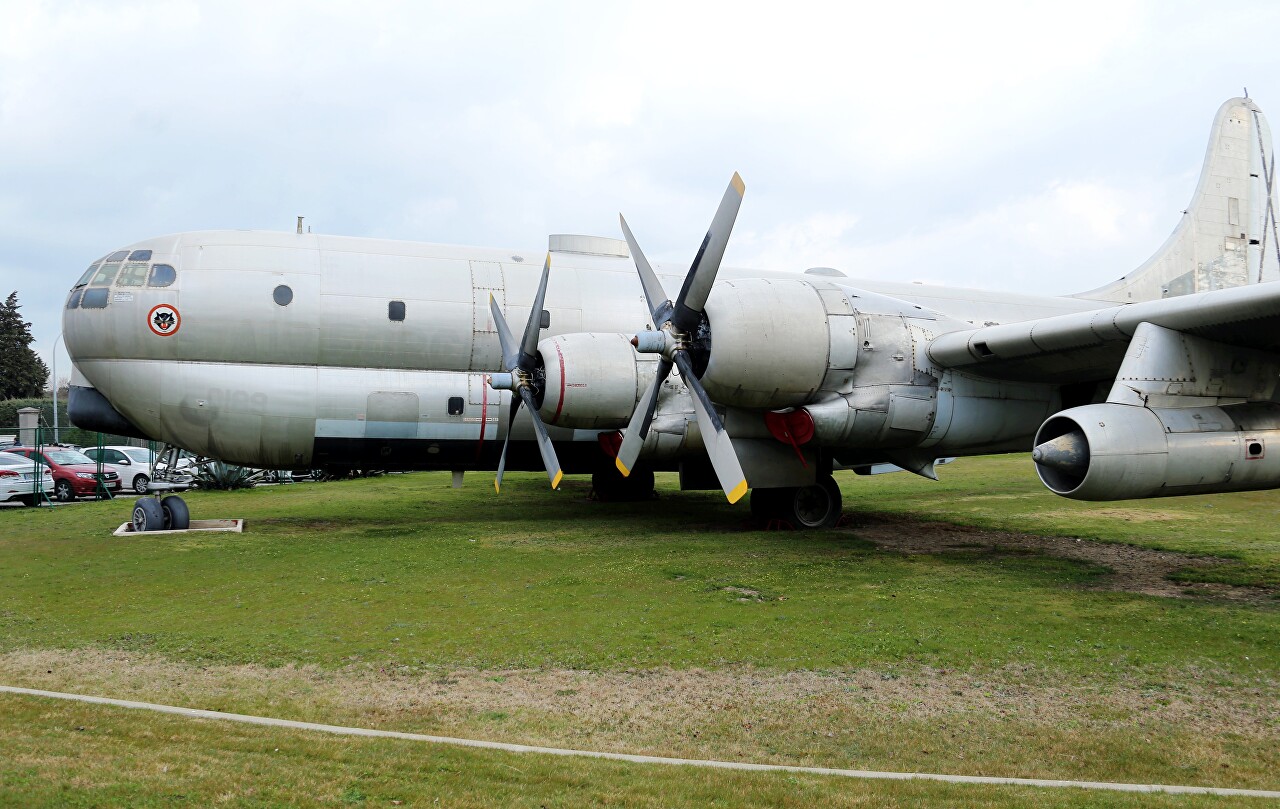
54 357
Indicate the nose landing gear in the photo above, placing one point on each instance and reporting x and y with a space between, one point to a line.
156 510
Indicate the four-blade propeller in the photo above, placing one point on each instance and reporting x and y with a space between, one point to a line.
521 362
681 330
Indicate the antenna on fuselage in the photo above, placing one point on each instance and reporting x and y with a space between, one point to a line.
300 225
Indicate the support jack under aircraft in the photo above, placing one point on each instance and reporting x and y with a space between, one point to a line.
285 350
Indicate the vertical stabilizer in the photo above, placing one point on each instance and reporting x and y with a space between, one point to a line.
1227 236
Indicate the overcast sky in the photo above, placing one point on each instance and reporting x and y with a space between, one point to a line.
1043 147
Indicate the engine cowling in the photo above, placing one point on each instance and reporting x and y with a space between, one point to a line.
593 380
771 342
1124 452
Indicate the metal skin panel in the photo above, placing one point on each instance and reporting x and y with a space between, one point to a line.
593 381
1163 367
984 415
1132 454
770 343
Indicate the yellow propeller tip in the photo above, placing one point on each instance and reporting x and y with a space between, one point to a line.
497 487
738 492
738 185
626 473
555 484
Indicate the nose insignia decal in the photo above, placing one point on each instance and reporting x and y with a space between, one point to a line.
164 320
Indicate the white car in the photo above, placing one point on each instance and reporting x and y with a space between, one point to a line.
133 464
18 479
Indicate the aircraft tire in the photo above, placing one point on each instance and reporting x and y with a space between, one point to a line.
611 487
176 515
764 504
816 506
148 515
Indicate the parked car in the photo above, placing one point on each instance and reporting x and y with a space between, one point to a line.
18 478
74 475
133 464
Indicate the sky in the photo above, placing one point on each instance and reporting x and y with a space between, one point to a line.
1037 147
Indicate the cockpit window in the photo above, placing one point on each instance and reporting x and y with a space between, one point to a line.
95 298
140 255
73 302
84 279
134 274
119 255
162 275
106 273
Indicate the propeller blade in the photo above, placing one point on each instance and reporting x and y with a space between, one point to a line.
702 273
510 352
719 447
529 345
502 461
549 459
653 291
638 429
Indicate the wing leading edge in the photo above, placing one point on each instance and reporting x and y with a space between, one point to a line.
1086 346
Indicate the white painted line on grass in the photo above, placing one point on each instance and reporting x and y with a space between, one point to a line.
560 751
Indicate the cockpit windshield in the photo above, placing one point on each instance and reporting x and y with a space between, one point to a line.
84 279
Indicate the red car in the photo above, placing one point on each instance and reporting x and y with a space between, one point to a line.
74 475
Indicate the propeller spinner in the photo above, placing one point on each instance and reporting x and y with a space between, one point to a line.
521 362
679 329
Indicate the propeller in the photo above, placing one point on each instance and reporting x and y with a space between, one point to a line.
681 330
521 361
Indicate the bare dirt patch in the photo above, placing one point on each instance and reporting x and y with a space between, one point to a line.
1133 569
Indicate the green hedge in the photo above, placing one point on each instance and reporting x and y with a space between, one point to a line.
66 433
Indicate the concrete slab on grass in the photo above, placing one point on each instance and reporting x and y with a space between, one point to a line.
197 526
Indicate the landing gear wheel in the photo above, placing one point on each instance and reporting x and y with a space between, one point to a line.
62 492
764 504
816 506
611 487
176 515
140 484
148 515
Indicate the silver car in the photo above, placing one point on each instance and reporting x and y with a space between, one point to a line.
18 478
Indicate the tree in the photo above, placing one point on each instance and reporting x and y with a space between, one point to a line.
22 373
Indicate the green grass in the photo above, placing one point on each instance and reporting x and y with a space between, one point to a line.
1003 493
392 583
66 755
406 569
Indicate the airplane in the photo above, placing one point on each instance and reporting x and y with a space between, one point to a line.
301 350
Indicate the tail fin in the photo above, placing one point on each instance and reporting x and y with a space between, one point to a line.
1227 236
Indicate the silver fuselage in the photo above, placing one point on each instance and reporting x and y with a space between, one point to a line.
330 378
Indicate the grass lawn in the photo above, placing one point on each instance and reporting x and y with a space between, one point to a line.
673 627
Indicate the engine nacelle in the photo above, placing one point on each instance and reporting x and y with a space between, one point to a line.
771 342
1125 452
593 380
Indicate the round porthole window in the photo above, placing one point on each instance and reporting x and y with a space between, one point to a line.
283 295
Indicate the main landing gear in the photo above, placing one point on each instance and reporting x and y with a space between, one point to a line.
816 506
611 487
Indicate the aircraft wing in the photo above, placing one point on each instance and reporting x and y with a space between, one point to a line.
1085 346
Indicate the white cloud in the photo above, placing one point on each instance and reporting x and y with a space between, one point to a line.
990 143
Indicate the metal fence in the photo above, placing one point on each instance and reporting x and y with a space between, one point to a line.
39 438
